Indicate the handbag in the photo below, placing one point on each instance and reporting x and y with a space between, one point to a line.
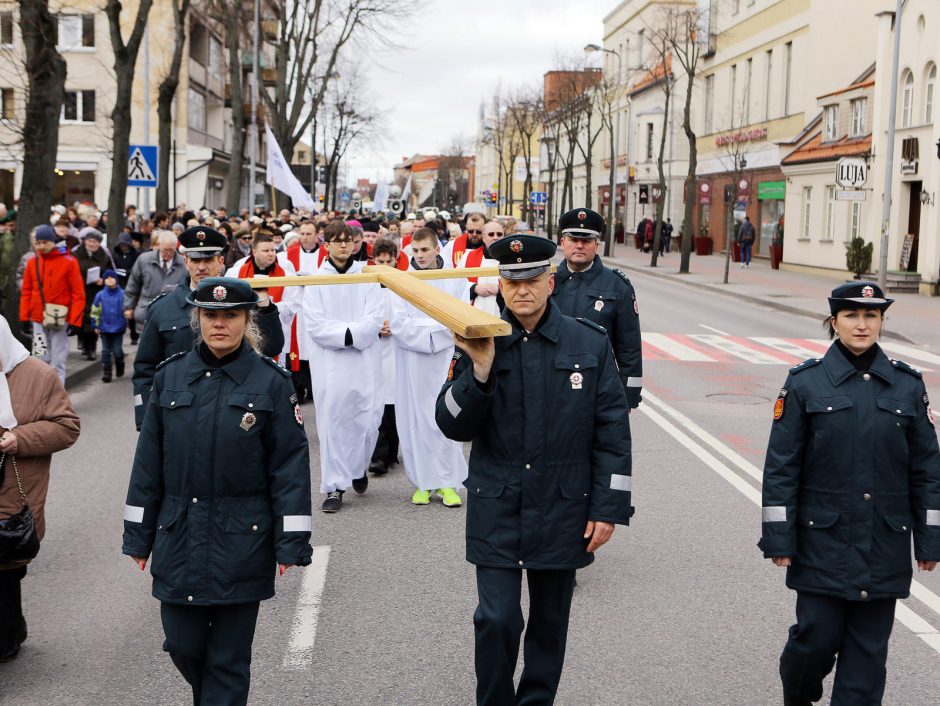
19 540
53 315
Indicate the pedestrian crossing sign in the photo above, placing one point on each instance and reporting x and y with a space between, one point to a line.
142 165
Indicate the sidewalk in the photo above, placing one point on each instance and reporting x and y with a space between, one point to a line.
912 318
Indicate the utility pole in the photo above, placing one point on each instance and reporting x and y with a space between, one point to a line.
889 157
146 210
612 205
253 131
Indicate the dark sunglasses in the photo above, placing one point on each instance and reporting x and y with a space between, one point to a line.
498 234
475 232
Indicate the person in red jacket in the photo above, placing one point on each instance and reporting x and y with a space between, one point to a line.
52 278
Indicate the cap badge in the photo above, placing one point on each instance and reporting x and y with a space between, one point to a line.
200 236
248 421
581 215
868 291
515 246
598 305
219 293
576 380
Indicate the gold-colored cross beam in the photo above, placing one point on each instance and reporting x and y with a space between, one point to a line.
458 316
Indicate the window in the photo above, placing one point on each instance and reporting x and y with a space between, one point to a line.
747 91
831 130
735 6
199 44
76 31
928 93
859 117
216 57
830 212
196 112
907 98
788 71
733 94
640 49
855 223
6 104
768 82
6 28
709 104
649 141
807 211
79 107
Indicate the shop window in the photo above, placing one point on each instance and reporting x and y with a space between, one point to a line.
830 213
78 107
806 219
76 31
859 117
6 28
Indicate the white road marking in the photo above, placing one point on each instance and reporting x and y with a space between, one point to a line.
905 352
304 627
907 617
787 347
715 330
726 345
677 350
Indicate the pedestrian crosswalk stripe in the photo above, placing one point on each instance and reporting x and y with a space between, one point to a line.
675 348
741 349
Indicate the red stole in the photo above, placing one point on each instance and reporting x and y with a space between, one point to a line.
248 270
460 247
474 259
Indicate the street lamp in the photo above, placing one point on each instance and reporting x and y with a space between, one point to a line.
609 245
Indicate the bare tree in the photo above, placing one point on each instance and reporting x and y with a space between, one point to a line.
734 160
660 73
452 182
523 117
683 29
125 59
229 13
165 95
45 74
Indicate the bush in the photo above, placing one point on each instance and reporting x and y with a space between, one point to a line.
858 256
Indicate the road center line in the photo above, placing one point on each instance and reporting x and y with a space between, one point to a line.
304 626
715 330
904 614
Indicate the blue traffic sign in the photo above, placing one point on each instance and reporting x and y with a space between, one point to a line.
538 197
142 165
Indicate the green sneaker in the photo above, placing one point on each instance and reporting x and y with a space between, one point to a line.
449 496
421 497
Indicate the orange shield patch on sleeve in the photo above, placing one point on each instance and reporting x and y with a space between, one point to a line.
778 408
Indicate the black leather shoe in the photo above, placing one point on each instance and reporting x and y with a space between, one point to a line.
378 467
333 502
360 484
119 368
792 700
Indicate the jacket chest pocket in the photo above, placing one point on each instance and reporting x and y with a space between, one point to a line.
827 413
601 307
575 381
899 413
247 413
172 333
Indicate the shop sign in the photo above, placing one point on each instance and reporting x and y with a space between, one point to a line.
704 193
771 190
852 173
741 136
744 190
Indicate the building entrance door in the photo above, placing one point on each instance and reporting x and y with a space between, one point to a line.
913 222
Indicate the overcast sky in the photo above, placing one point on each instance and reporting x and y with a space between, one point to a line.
458 52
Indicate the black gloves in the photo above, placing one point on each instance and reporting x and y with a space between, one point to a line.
74 330
26 328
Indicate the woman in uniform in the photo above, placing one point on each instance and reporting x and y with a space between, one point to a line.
220 491
852 471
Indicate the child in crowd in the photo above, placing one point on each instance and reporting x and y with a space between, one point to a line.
107 316
385 252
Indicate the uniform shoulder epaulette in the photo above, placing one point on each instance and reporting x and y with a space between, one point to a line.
591 324
158 298
173 357
901 365
805 365
622 276
277 366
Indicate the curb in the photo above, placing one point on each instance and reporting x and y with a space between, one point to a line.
79 374
740 295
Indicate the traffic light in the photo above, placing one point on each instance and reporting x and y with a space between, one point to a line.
321 175
320 198
494 197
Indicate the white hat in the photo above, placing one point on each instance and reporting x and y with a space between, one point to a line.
429 215
410 217
445 215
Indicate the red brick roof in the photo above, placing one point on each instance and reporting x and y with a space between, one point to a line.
654 75
815 150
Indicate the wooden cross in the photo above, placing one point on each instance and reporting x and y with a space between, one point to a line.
461 318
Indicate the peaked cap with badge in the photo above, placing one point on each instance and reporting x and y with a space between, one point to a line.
223 293
582 223
858 295
523 256
202 242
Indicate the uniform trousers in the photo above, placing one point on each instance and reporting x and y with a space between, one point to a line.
498 624
856 631
51 347
211 648
12 622
386 446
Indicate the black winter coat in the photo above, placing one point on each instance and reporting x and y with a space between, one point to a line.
551 444
220 488
852 470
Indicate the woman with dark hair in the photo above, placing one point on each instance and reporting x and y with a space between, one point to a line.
852 471
219 492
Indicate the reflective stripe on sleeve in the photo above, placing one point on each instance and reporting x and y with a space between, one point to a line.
933 518
620 482
296 523
138 400
634 382
451 403
132 513
774 514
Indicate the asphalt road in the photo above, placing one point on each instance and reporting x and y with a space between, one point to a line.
680 607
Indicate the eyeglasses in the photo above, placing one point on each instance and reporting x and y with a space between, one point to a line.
246 238
474 232
497 234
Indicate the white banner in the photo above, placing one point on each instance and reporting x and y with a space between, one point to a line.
380 201
281 177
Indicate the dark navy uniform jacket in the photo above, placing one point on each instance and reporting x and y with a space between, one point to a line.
220 488
168 332
606 297
551 444
852 470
